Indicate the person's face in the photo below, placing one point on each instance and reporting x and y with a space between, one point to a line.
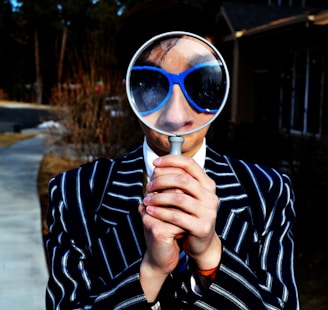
177 115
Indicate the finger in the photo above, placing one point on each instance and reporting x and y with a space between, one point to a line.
187 164
173 216
182 210
205 208
179 183
158 171
157 227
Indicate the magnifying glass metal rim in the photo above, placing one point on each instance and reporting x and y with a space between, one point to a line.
142 49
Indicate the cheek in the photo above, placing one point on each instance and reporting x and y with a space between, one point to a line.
151 119
196 139
203 118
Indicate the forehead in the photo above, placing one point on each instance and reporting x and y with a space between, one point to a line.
181 52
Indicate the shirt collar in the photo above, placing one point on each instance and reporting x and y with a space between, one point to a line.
150 156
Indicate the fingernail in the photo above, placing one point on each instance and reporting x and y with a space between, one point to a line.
157 160
146 199
150 209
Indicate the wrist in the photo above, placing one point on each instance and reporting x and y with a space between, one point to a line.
149 270
212 258
151 280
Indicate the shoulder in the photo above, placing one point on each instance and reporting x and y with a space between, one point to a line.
80 182
264 175
87 170
96 172
261 176
270 187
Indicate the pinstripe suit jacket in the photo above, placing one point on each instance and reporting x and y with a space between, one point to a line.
96 242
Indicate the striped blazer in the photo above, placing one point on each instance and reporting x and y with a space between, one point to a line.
96 243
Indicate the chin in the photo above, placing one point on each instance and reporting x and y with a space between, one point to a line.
161 146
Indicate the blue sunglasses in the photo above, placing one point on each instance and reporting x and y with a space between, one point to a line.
202 85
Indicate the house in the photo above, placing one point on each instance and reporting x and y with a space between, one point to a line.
277 58
277 112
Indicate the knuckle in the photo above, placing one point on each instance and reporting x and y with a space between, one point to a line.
175 216
183 180
205 228
212 185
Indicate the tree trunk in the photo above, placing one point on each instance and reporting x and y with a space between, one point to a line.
38 86
61 60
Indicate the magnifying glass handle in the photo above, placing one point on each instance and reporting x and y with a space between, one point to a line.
175 144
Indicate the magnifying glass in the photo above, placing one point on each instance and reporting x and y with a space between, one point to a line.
177 83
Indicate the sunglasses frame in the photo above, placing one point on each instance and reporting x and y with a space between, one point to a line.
177 78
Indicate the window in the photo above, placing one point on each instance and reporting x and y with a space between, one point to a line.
302 3
302 93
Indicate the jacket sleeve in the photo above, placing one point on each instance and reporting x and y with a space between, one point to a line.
266 280
73 283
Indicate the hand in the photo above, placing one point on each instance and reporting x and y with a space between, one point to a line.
162 247
180 182
162 253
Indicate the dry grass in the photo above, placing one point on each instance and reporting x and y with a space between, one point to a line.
7 139
51 165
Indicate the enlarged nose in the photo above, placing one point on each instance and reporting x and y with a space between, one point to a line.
177 115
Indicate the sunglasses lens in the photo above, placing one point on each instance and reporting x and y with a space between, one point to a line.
205 87
149 89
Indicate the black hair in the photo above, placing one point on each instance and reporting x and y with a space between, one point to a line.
154 17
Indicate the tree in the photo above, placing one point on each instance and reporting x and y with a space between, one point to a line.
37 20
11 41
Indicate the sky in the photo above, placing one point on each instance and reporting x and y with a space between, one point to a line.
15 3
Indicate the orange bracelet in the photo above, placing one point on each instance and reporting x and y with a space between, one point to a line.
211 273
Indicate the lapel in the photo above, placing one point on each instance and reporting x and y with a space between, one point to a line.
124 192
119 231
228 185
234 223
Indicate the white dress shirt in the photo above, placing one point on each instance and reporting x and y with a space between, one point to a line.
150 156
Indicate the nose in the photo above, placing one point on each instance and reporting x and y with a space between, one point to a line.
176 115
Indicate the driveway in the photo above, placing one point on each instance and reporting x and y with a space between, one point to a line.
18 116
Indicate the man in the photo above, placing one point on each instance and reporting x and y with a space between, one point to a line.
152 230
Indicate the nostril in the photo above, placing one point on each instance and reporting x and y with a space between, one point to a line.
175 126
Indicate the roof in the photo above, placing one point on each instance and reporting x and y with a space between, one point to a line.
249 18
